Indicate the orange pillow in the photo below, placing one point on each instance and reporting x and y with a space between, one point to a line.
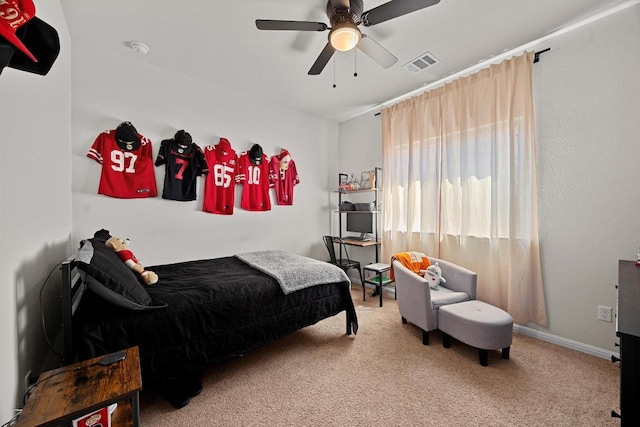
414 261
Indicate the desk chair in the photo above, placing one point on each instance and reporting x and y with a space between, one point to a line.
344 263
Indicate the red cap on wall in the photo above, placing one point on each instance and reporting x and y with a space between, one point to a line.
13 15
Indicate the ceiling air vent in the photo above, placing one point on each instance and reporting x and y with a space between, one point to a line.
420 63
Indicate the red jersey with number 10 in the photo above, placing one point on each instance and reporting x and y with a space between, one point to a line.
256 180
125 174
220 183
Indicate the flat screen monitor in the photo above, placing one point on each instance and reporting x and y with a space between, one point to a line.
360 223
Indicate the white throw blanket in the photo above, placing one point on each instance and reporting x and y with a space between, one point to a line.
293 272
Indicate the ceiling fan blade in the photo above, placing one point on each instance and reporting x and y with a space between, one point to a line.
376 52
322 60
340 4
272 24
394 9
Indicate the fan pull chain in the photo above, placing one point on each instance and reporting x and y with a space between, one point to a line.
355 63
334 71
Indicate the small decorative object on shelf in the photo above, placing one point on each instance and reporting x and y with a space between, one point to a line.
346 206
355 185
638 260
343 181
367 180
101 417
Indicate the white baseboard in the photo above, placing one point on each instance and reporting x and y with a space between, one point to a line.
564 342
545 336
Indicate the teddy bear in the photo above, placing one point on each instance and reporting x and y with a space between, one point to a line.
121 248
434 275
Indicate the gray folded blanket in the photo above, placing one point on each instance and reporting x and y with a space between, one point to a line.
293 272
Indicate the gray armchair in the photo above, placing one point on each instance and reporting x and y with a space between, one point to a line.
418 303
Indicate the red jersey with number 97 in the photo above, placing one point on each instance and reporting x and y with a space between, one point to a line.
220 183
125 174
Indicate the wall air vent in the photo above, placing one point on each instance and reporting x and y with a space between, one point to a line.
420 63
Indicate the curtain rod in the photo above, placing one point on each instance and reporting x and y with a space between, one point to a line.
536 58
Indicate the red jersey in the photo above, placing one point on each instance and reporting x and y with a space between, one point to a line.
257 180
284 180
220 183
127 174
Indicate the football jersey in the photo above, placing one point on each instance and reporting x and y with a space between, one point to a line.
284 181
220 183
256 182
183 164
127 174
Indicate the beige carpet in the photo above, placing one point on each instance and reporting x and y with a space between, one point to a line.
384 376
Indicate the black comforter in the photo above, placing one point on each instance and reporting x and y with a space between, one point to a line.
216 309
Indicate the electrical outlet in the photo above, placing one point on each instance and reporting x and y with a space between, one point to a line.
604 313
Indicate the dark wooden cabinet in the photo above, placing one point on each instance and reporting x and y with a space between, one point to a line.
628 330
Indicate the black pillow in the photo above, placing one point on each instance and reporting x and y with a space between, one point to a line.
110 278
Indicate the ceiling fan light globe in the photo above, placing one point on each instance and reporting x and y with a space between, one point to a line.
345 37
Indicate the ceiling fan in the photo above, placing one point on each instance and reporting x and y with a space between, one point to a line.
345 16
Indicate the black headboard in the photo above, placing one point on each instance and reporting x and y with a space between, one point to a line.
73 287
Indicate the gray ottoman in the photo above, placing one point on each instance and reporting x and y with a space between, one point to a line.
477 324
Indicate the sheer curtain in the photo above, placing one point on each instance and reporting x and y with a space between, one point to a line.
459 183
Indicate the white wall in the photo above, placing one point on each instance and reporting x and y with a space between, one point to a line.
587 95
35 208
108 89
587 99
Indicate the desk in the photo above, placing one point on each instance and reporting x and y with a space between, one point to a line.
360 243
377 279
75 390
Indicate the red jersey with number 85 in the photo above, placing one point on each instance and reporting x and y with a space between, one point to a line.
125 174
220 183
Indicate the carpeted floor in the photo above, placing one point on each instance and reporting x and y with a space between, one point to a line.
384 376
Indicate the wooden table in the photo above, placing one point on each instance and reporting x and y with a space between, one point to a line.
361 243
66 393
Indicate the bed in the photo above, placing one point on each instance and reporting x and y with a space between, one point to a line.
200 312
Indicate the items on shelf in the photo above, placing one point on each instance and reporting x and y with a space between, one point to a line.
353 183
368 180
343 181
346 206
